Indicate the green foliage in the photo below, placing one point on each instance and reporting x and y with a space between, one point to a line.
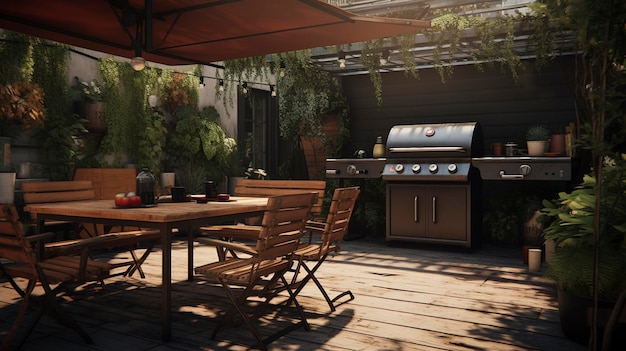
306 96
495 42
571 220
59 147
501 218
86 91
369 212
370 58
198 146
133 128
16 59
538 132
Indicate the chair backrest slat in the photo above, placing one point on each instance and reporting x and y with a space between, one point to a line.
13 243
338 219
272 187
283 224
60 191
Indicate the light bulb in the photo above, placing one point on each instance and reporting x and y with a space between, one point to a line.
138 63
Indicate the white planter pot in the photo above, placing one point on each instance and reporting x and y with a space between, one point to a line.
7 187
168 180
536 148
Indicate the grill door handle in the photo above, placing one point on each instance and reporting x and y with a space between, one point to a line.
434 209
415 208
511 176
428 149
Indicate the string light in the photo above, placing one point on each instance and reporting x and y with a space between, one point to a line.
221 85
384 57
341 58
272 91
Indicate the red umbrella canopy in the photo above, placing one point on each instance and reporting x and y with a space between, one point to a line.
176 32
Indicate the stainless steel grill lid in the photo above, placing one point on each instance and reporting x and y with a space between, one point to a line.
446 140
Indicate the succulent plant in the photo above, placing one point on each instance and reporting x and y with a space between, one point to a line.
538 133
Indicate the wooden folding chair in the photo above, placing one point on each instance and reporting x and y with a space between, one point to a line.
18 260
264 188
278 236
76 190
332 233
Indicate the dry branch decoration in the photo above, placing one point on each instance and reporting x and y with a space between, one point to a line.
21 103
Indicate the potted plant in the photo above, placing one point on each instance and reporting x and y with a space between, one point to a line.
197 148
570 220
21 109
88 97
501 219
536 139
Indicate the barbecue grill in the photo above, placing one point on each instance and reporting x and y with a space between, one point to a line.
434 175
432 188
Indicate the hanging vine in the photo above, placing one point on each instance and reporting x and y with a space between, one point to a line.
370 58
60 151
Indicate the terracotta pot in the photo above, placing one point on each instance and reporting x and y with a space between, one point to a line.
557 144
94 113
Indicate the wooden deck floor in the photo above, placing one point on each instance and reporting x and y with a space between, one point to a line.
407 297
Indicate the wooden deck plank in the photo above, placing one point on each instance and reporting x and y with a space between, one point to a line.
406 298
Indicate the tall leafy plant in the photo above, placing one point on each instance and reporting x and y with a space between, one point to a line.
601 42
198 147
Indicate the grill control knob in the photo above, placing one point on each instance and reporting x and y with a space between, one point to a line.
452 168
399 168
433 168
525 170
416 168
351 170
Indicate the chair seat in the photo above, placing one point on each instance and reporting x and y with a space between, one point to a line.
238 270
233 231
61 269
312 251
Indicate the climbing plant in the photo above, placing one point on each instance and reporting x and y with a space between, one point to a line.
59 147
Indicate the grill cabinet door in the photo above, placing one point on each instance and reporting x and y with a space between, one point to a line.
430 213
406 211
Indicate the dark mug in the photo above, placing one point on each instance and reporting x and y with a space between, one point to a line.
210 189
178 194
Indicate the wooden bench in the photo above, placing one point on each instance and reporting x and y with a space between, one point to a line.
61 191
42 192
262 187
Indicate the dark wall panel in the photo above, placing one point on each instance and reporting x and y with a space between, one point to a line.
505 108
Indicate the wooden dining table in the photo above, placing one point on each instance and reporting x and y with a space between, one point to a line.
164 217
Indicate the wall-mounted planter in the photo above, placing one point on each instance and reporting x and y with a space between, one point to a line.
95 114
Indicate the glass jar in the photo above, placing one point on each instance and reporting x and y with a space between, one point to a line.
379 148
146 186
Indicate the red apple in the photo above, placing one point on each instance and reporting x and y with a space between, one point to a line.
122 201
134 201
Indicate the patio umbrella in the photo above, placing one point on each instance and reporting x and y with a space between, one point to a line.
174 32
